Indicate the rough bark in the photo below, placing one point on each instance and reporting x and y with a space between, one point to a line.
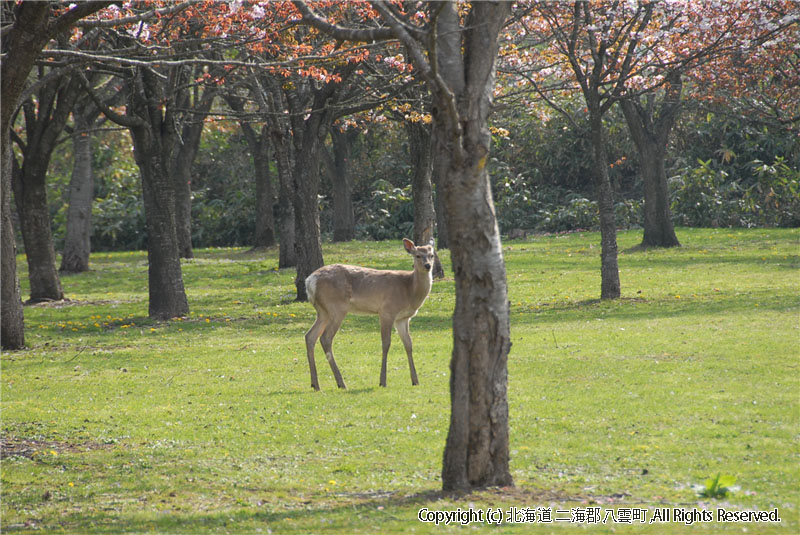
45 118
609 266
650 125
21 44
476 453
273 100
12 332
186 150
77 242
308 243
154 139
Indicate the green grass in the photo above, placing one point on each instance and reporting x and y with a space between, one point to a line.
118 424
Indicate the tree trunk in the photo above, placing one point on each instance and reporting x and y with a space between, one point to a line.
265 197
609 267
30 195
21 45
344 221
420 151
438 171
650 127
12 324
287 256
182 174
77 243
154 139
308 244
166 292
476 452
22 42
45 115
659 230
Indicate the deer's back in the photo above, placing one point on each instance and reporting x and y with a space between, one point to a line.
359 289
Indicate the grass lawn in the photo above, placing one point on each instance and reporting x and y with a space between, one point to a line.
113 423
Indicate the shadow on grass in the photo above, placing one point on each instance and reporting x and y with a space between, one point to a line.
341 513
644 309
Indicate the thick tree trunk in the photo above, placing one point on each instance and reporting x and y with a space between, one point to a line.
21 45
308 244
77 243
30 194
420 150
476 453
154 142
344 221
165 280
609 267
45 118
650 127
659 230
12 324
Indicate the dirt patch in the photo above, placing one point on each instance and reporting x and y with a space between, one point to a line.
30 448
74 303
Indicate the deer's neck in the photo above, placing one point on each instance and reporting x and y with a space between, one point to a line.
421 283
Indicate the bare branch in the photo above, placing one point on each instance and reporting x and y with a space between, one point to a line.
339 32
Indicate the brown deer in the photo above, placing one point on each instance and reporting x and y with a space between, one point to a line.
395 296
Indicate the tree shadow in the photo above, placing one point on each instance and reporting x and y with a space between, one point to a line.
335 514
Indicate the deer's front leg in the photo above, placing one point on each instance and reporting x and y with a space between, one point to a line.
386 341
405 336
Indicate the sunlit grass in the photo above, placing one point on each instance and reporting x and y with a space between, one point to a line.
207 424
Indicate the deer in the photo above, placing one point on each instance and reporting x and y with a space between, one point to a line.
395 296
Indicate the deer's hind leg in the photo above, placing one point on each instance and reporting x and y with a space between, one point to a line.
311 339
327 345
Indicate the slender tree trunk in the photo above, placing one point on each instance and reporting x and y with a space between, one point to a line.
30 194
437 173
282 149
420 150
265 197
182 175
77 243
609 267
344 221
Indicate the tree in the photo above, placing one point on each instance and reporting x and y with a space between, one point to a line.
650 121
638 54
45 118
77 240
27 27
459 71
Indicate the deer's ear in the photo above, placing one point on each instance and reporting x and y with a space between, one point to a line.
431 242
409 245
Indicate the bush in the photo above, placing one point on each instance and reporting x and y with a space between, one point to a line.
774 200
705 197
389 213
